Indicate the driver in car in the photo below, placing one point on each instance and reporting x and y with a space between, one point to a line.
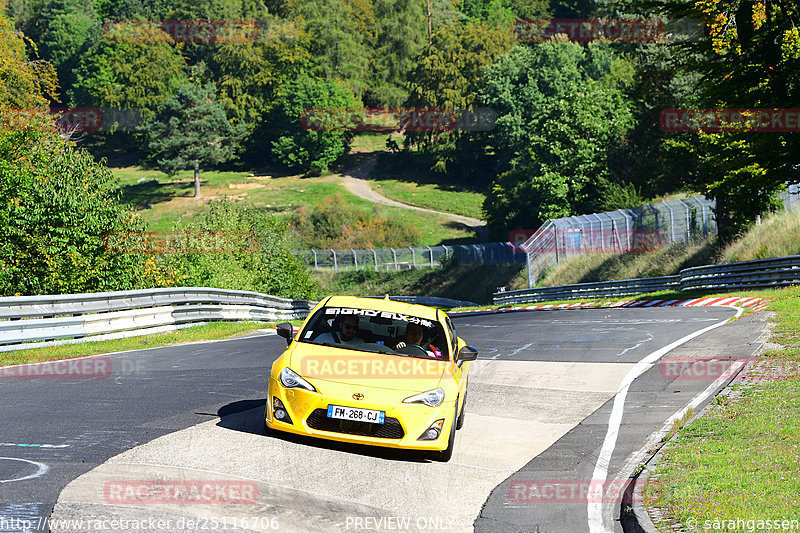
344 330
414 335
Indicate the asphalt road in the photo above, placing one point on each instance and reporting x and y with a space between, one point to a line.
541 401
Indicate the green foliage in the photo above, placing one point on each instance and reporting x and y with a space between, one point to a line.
335 224
64 31
342 32
305 149
271 268
619 196
449 70
555 127
24 84
191 129
400 35
447 76
503 12
129 68
749 57
56 207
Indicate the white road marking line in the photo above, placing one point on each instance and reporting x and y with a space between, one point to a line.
42 469
595 509
637 457
34 445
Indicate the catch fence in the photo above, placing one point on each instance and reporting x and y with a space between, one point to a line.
394 259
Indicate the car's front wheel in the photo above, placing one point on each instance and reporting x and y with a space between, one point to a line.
447 453
460 421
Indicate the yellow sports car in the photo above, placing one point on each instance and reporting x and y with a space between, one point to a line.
372 371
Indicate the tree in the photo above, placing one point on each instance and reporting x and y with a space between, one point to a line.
749 58
342 36
24 84
249 75
401 34
556 125
191 129
299 146
447 76
64 31
132 67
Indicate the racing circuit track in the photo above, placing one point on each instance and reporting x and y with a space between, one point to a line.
557 398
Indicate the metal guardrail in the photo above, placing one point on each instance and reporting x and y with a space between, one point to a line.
775 272
626 287
762 273
41 321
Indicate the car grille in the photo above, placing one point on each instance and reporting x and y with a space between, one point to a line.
390 429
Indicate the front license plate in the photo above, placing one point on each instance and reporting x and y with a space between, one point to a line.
354 413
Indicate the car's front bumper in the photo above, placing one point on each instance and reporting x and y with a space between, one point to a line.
308 411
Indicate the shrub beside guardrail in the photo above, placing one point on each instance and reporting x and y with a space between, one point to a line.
762 273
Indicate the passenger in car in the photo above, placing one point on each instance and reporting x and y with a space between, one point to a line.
415 334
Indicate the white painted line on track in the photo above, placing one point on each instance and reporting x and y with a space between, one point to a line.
595 509
41 469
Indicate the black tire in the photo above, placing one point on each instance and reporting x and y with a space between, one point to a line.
447 453
460 420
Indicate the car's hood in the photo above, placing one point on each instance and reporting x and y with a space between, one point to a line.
366 369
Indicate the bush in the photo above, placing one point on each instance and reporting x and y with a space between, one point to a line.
57 207
334 224
255 254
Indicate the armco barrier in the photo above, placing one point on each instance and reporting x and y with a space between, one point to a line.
71 318
626 287
39 321
762 273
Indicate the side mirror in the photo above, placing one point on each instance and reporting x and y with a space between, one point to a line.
284 329
467 353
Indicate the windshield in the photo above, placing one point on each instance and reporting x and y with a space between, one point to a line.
377 331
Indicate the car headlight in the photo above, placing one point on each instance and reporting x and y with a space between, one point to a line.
290 379
431 398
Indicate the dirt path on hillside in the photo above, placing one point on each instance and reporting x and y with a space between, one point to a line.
355 180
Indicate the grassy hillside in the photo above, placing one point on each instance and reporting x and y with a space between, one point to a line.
778 235
163 202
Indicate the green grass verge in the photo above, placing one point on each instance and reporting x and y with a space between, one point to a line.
206 332
742 459
432 196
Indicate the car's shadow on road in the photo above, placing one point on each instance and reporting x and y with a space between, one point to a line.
248 416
